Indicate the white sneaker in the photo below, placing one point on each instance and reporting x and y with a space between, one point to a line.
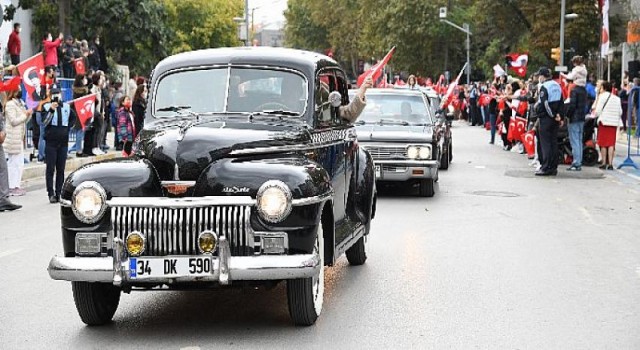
97 151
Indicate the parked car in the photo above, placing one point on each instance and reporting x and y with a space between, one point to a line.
244 174
398 129
443 127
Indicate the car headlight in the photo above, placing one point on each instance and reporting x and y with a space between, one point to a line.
89 202
274 201
424 152
412 152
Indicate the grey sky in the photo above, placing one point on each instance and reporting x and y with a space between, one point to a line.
270 13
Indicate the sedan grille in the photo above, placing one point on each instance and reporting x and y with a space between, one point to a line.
174 231
386 152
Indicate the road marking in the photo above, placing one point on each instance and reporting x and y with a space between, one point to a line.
480 167
190 348
587 215
10 252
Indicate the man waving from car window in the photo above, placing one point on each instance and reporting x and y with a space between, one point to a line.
352 111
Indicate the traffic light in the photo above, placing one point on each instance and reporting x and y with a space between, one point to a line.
555 55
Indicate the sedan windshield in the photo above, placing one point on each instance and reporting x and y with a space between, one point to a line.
235 90
395 109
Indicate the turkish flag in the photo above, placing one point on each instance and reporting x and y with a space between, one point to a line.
518 63
520 126
511 129
85 107
376 71
528 140
32 71
78 64
10 85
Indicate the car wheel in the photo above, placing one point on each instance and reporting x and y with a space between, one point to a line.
444 161
306 295
450 151
427 188
96 302
357 254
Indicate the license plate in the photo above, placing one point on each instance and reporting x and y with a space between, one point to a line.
140 268
378 172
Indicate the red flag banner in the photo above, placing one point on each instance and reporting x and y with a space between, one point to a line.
78 64
520 126
376 71
31 71
511 130
10 85
528 140
518 63
85 107
452 86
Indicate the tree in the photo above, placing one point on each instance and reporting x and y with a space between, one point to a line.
199 24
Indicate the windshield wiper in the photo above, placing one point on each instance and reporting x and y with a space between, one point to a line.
277 112
393 121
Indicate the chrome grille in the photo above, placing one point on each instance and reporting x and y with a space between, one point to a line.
386 152
174 231
394 169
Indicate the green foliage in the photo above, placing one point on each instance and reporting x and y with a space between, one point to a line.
200 24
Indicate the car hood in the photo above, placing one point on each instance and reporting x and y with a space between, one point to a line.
394 133
198 146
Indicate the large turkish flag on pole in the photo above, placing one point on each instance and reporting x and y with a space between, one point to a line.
85 106
376 70
32 71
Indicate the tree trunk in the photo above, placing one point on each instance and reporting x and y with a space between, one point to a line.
64 12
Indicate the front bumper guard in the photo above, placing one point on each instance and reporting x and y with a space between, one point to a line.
231 268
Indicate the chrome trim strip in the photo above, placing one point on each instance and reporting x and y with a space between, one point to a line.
279 149
417 163
178 182
65 202
185 202
312 200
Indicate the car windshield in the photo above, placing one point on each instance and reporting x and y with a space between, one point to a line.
400 109
247 90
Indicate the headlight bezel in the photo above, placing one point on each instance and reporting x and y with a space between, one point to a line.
413 152
102 194
286 191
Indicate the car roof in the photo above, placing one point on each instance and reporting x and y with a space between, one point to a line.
306 61
387 91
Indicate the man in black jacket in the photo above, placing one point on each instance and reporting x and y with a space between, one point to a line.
576 111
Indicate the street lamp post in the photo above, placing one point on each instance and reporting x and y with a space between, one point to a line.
464 28
562 11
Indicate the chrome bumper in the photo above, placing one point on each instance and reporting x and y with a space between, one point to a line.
231 268
403 170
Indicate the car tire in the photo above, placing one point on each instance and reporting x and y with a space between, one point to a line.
450 151
306 295
427 188
96 302
357 254
444 161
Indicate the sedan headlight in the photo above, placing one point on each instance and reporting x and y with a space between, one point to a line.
412 152
424 152
89 202
274 201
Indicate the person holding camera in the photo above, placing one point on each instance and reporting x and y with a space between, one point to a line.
57 121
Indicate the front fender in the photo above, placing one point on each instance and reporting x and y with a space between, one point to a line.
119 178
366 184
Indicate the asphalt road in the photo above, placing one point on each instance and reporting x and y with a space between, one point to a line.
497 259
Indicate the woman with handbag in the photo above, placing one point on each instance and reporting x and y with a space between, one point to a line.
16 117
609 118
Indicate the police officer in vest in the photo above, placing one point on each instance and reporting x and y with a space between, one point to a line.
57 121
549 111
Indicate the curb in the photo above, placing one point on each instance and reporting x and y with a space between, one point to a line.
36 173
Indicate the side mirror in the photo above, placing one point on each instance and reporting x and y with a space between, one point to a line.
335 99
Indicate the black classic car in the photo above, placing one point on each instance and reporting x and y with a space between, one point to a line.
244 174
398 129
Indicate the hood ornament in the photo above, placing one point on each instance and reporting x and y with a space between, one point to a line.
176 172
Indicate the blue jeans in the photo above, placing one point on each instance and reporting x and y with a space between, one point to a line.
77 146
576 130
492 119
41 143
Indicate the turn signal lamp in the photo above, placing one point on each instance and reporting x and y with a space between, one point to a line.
135 243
